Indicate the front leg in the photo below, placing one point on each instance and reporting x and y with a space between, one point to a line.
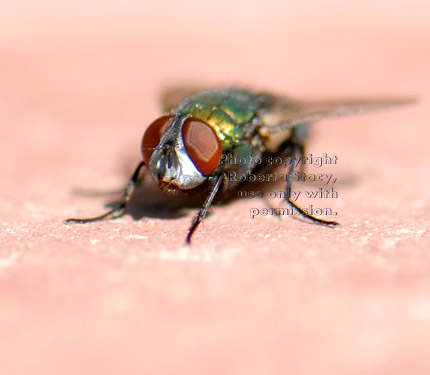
120 209
203 211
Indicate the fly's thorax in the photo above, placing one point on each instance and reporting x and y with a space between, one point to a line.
223 125
224 110
181 151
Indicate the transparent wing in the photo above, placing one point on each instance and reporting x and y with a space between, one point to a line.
283 113
173 96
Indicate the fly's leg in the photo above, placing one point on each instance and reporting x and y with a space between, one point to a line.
302 152
203 211
120 209
314 219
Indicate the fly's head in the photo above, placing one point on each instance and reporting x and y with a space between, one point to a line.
181 151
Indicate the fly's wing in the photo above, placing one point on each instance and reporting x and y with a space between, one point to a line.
282 113
171 97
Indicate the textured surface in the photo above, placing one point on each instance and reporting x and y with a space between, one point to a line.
78 86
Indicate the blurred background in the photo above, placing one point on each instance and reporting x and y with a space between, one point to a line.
79 83
101 66
274 43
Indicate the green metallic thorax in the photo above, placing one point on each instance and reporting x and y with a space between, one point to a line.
224 110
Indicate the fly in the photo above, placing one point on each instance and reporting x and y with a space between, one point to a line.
191 147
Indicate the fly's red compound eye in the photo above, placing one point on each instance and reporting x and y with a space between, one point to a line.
152 136
202 145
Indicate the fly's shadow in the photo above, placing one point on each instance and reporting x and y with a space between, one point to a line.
150 201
